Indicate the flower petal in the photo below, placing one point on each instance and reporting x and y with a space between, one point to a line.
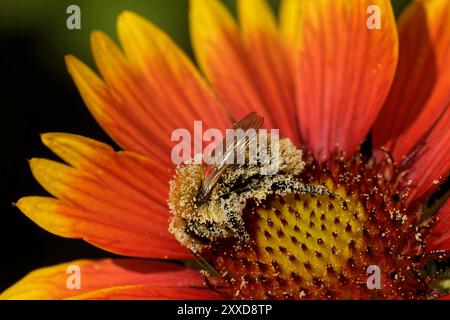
269 65
249 71
443 297
440 232
106 109
290 11
344 71
144 88
149 293
58 282
431 165
170 73
114 200
421 89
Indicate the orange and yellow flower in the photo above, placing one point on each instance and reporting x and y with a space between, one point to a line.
319 75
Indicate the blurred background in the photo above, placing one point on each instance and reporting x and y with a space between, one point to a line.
37 96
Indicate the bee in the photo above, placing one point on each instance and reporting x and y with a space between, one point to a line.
207 201
214 172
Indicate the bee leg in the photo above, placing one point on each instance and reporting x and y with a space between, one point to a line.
205 265
317 191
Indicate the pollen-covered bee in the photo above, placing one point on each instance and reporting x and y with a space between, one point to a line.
207 201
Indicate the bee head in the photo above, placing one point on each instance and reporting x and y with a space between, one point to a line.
196 220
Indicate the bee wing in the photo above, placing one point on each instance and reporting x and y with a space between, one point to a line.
215 171
251 121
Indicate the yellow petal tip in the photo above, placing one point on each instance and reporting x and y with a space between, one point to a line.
24 204
95 34
69 59
128 17
50 138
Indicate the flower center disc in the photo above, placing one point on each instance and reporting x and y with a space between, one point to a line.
337 230
310 236
298 243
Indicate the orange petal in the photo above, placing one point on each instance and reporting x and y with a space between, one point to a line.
269 65
95 276
344 71
107 110
249 71
440 232
114 200
175 93
421 89
149 92
149 293
431 165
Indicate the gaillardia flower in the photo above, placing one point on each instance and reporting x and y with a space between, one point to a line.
364 120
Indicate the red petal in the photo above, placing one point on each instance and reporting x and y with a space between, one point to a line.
444 297
421 89
440 232
96 276
431 166
344 72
